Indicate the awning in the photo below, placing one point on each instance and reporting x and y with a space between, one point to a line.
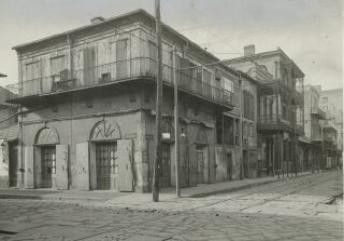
9 133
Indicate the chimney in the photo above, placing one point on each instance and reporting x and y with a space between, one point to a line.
249 50
97 20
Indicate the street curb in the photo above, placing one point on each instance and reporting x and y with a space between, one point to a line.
20 196
196 195
232 189
247 186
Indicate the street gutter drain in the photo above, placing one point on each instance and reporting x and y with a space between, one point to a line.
7 232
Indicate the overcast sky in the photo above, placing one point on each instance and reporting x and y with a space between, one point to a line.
309 31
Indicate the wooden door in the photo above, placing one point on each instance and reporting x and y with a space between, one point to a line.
89 66
200 160
184 168
245 158
229 166
13 164
122 62
165 166
106 165
48 163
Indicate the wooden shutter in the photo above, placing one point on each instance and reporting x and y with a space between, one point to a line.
122 58
82 167
29 166
62 156
89 58
125 156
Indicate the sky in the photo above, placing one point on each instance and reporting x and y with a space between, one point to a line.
309 31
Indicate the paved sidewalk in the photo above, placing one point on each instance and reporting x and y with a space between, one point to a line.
201 190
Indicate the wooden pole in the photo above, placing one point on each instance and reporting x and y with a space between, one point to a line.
176 123
242 171
157 160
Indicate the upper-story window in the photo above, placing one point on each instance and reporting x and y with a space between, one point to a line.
58 67
228 85
122 61
249 105
33 70
324 99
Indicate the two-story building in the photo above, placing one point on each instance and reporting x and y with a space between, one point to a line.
87 100
280 107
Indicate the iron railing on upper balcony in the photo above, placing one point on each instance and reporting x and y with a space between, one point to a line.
134 68
318 112
268 120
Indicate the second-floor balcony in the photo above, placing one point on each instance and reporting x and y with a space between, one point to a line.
274 122
193 81
318 113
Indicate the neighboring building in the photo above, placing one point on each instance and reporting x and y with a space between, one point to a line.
8 139
332 103
236 157
280 109
89 99
249 121
312 142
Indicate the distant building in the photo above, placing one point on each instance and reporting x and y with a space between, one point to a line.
332 103
312 143
280 107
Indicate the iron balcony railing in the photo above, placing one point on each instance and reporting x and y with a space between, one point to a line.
273 119
318 112
140 67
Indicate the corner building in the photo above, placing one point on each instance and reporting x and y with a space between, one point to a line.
87 99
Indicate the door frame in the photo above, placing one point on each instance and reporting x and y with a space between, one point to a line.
92 145
206 168
12 172
40 158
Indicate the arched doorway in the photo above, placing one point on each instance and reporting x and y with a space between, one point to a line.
46 141
104 171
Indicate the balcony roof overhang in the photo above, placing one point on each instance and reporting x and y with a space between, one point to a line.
35 100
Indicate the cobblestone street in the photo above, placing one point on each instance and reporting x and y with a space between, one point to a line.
300 208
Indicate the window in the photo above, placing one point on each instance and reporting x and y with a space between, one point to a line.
152 56
248 105
33 70
237 131
122 66
228 85
57 64
325 99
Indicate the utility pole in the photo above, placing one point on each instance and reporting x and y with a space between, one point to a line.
176 123
157 160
